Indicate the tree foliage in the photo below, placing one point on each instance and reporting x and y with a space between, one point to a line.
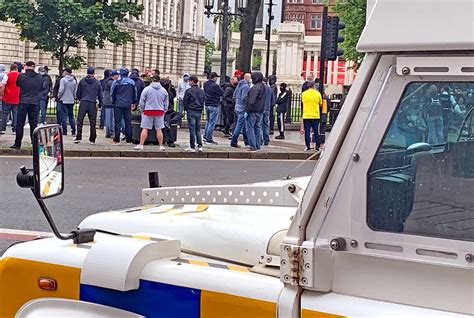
210 48
353 14
247 32
56 26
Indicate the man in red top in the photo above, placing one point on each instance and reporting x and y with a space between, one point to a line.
11 98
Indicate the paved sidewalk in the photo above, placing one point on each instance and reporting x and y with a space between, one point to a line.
290 148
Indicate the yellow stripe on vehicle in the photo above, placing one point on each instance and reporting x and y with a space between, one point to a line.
306 313
219 305
19 283
197 262
237 268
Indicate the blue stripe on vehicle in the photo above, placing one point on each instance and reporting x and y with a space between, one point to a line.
151 299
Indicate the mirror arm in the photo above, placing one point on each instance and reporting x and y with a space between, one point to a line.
51 223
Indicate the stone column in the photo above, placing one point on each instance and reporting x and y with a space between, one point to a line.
291 48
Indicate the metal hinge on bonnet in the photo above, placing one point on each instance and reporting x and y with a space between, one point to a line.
296 264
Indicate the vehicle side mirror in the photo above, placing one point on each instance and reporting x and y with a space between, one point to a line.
48 163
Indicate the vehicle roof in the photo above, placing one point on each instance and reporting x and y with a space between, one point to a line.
418 25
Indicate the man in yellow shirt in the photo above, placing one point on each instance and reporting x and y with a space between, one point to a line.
312 102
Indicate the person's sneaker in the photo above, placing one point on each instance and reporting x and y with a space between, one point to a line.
138 147
15 147
113 142
76 141
199 149
2 132
9 123
252 149
211 142
235 146
73 134
162 148
308 149
280 137
189 149
92 142
227 135
271 132
14 132
172 145
107 136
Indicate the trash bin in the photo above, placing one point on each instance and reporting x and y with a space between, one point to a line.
136 131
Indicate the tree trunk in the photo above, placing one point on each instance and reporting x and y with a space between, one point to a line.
61 62
247 32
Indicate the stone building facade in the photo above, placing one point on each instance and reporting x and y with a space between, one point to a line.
168 36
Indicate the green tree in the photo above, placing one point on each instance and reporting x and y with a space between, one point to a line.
210 48
353 14
247 32
56 26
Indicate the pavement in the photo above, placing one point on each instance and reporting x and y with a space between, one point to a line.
292 148
95 185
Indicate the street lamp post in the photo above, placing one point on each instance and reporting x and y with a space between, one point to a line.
226 14
268 36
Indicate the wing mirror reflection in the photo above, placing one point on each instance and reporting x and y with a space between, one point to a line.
48 163
420 147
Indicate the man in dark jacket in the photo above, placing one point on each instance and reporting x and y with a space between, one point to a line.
139 83
124 98
272 79
213 94
108 106
254 109
88 92
228 105
102 110
31 84
269 101
193 101
44 94
282 107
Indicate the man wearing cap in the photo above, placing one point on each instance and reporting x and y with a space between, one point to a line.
67 97
88 93
213 94
108 106
124 98
30 84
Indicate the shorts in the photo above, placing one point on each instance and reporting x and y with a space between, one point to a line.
149 121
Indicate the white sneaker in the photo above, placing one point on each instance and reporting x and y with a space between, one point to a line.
92 142
138 147
162 148
200 149
76 141
189 149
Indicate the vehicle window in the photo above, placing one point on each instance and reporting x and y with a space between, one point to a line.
421 180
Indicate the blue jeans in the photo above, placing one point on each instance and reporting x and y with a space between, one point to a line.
109 121
435 130
265 124
7 110
194 124
180 110
68 112
212 116
59 113
239 128
253 122
43 105
125 115
311 124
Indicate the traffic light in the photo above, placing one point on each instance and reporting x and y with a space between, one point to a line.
332 37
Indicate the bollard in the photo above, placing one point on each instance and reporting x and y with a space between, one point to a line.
154 180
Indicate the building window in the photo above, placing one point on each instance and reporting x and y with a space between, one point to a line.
421 179
318 2
295 17
316 22
295 1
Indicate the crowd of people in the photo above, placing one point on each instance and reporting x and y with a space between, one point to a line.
248 104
